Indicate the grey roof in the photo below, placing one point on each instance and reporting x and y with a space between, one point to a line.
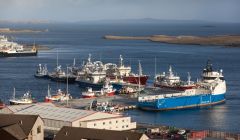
77 133
56 113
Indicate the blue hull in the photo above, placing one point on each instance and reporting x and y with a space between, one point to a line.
182 102
84 85
117 86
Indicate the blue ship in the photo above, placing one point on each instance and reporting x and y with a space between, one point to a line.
210 90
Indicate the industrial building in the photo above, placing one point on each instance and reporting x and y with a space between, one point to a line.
56 117
73 133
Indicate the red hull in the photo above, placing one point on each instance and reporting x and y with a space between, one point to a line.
88 96
111 93
135 79
176 87
48 100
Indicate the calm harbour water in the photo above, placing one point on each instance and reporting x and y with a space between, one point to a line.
78 40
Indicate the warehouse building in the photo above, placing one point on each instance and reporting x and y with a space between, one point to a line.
56 117
73 133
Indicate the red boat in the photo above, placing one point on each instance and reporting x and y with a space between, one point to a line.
170 81
2 105
134 79
107 90
124 73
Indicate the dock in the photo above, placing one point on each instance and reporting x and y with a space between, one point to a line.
119 102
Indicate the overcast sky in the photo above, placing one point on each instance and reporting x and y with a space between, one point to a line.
83 10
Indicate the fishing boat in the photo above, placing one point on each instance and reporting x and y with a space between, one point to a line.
120 83
42 71
59 96
170 80
107 90
60 76
124 72
210 90
25 99
92 74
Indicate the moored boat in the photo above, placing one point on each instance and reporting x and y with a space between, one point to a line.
25 99
208 91
2 105
107 90
13 49
42 71
170 80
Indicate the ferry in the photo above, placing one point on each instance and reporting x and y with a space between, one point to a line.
13 49
42 71
25 99
210 90
107 90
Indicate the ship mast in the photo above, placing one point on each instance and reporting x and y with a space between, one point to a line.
189 78
139 74
155 68
121 61
74 62
57 57
49 94
14 92
67 87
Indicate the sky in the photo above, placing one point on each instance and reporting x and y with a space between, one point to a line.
85 10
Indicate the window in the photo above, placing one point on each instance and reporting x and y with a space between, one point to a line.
122 120
110 122
103 123
127 126
116 121
95 124
39 129
122 126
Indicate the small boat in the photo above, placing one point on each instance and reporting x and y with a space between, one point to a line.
2 105
89 93
59 96
25 99
107 90
42 71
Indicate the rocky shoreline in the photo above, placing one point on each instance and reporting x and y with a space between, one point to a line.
8 30
221 40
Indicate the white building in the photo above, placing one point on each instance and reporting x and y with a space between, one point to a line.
56 117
